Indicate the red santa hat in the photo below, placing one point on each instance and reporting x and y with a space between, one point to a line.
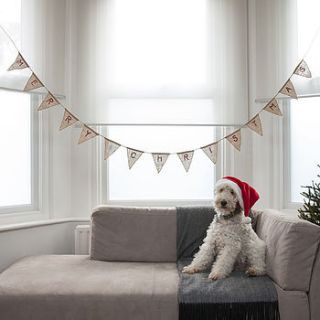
246 195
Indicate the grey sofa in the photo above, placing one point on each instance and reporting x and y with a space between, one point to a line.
131 272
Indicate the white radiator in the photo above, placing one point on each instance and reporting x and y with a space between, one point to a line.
82 239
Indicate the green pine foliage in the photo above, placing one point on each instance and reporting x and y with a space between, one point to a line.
311 203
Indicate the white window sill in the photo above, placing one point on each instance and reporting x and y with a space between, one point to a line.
21 217
39 223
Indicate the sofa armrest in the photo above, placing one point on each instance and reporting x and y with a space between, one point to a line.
314 292
292 246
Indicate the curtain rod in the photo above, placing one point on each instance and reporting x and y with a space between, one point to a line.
163 124
37 93
301 96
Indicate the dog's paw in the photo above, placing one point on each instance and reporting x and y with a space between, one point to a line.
216 276
251 272
190 269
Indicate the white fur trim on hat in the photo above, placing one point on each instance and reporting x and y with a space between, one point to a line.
234 187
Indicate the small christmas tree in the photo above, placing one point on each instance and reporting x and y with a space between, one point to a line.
311 207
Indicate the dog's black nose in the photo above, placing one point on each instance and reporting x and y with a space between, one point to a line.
223 203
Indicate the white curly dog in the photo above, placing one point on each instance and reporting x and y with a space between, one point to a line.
230 237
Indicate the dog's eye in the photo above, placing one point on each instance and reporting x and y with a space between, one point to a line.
232 192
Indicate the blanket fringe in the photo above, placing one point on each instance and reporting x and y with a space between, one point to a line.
229 311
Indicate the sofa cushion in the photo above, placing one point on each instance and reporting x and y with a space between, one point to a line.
76 287
133 234
292 244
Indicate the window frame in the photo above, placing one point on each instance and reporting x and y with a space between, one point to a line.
287 203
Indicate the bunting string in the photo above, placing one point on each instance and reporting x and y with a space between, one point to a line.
159 158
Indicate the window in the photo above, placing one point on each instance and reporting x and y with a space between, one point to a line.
160 72
18 189
162 64
304 114
143 182
305 141
18 129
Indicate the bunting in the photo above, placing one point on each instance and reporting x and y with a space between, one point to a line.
288 90
133 156
18 64
273 107
159 160
48 102
211 150
303 70
186 159
68 120
33 83
235 139
110 147
256 125
86 134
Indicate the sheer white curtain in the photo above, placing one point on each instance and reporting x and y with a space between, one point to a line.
158 60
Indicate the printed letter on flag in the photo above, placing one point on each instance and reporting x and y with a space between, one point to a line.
255 125
186 159
109 148
48 102
33 83
86 134
303 70
288 90
68 120
211 151
19 63
235 139
133 156
159 160
273 107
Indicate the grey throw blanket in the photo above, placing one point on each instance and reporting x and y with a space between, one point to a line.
236 297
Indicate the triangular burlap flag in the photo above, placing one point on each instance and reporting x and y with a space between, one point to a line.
235 139
303 70
211 150
133 156
86 134
19 63
48 102
33 83
159 160
288 90
68 120
186 159
273 107
256 125
110 147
